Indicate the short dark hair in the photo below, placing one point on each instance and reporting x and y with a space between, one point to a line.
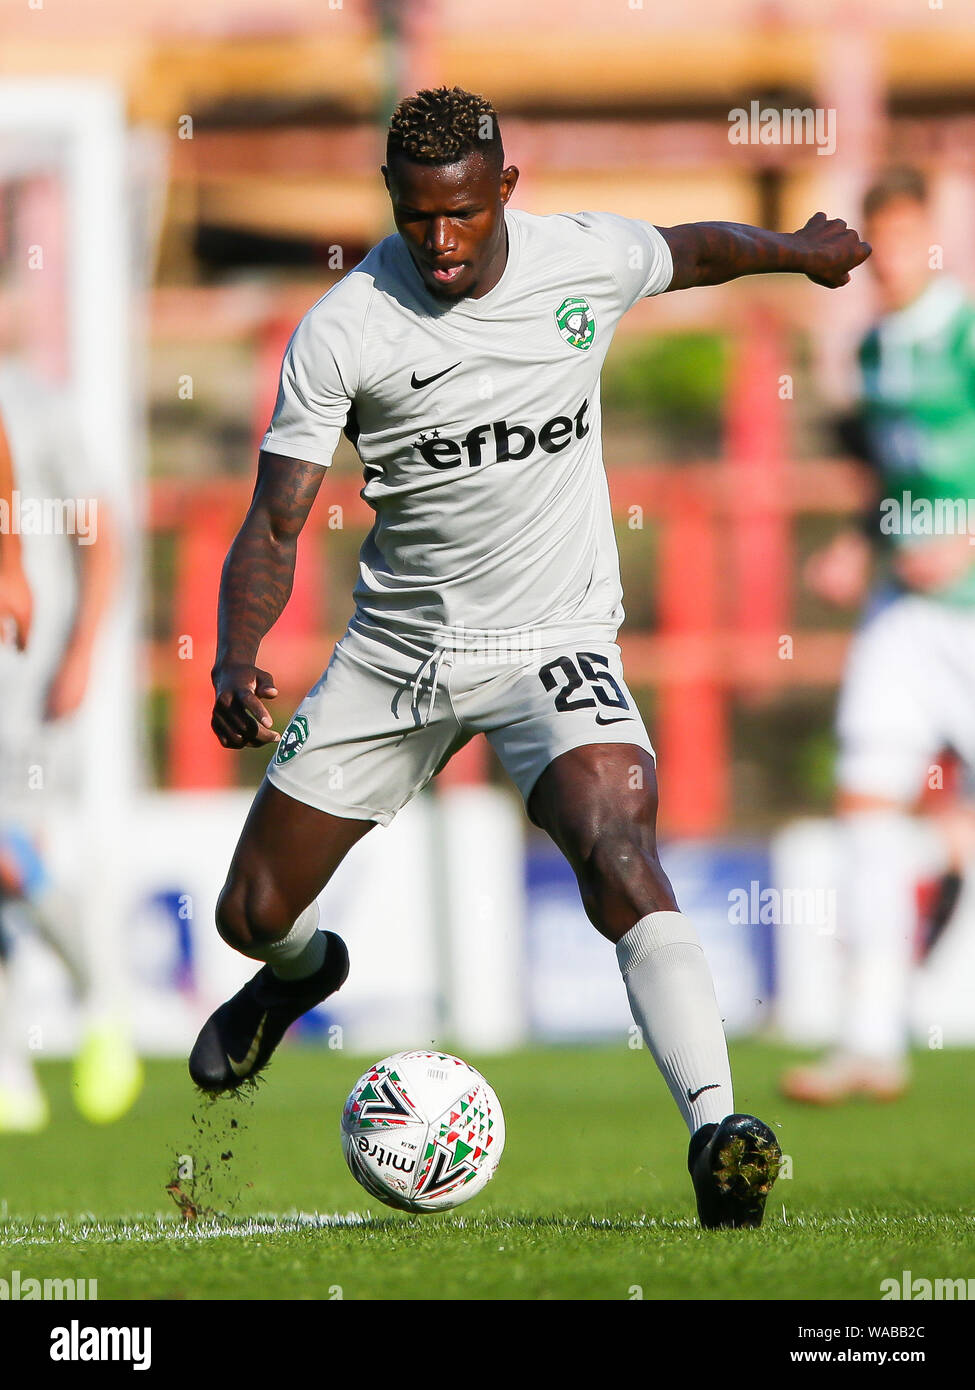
893 184
444 125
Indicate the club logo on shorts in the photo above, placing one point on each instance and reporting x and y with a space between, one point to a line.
291 740
576 322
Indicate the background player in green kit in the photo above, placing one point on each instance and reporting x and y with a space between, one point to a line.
909 687
462 357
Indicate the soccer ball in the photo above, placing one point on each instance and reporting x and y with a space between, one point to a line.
422 1131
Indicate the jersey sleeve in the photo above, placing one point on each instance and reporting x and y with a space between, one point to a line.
319 378
634 252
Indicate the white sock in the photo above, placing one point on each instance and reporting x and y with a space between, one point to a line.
672 1000
298 954
13 1034
877 924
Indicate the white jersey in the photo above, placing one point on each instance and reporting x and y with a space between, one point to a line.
478 426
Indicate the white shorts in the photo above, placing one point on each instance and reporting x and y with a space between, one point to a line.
388 714
908 692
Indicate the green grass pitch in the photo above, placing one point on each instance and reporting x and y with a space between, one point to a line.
591 1201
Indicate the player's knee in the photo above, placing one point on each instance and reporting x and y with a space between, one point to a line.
250 913
623 868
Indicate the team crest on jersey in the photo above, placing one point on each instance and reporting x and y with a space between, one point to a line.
291 740
576 322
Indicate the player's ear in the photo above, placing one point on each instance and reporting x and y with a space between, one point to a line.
385 173
509 177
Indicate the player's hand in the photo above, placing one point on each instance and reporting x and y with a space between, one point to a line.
840 572
830 250
16 605
68 685
240 719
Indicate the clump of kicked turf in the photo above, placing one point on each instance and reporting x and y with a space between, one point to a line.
188 1208
203 1184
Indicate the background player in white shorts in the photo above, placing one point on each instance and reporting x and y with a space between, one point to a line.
54 589
909 687
462 358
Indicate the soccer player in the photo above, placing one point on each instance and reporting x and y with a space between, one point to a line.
55 590
462 358
909 686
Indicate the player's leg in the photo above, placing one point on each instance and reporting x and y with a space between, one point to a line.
357 751
877 920
598 802
287 853
889 726
23 1105
599 805
107 1073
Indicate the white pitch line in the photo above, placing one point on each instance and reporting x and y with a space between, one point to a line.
177 1230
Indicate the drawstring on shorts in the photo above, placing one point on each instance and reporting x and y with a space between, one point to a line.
432 663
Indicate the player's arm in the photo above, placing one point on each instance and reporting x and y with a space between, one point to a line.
97 560
254 587
15 595
709 253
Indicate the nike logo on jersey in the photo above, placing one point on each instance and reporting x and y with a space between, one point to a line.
693 1095
620 719
418 385
244 1067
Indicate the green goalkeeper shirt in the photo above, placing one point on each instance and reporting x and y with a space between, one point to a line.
918 409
